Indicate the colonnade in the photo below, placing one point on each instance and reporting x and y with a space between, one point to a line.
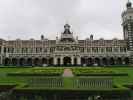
67 61
100 61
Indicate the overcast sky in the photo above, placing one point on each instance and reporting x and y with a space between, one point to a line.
27 19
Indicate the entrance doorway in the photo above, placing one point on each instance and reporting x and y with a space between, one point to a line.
67 61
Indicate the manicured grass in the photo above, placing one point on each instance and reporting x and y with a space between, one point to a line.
68 83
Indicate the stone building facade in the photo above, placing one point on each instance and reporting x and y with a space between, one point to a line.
68 50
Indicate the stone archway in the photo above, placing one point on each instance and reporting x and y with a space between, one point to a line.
112 61
67 61
29 61
50 61
83 61
58 62
44 61
89 61
7 61
14 61
75 61
126 60
119 61
36 62
97 61
21 61
104 61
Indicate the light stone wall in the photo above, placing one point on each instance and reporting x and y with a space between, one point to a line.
51 49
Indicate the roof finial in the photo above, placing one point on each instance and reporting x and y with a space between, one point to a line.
129 4
67 26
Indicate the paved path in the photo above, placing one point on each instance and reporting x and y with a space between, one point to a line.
68 73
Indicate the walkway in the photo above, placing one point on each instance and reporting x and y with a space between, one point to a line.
68 73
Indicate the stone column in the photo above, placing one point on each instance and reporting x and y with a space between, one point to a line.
55 61
85 60
123 61
11 63
18 62
101 63
47 61
61 60
108 63
32 61
40 62
2 52
72 60
115 60
1 60
78 61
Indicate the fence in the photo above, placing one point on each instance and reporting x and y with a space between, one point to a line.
80 82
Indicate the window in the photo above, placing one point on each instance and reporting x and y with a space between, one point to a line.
115 49
24 50
67 49
5 49
51 49
109 49
122 49
102 50
88 50
95 49
82 49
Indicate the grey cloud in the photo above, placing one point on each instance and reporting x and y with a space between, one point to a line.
30 18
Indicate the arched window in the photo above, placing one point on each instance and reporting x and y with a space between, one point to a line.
67 49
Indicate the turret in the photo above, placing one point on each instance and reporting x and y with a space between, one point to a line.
67 35
91 37
127 23
42 37
129 4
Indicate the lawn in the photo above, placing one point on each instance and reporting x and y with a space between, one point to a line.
36 72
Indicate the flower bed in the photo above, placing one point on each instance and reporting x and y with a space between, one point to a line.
38 72
96 72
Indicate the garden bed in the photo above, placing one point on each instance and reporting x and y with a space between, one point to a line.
37 72
101 74
97 72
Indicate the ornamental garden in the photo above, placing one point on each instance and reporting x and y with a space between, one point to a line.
66 83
